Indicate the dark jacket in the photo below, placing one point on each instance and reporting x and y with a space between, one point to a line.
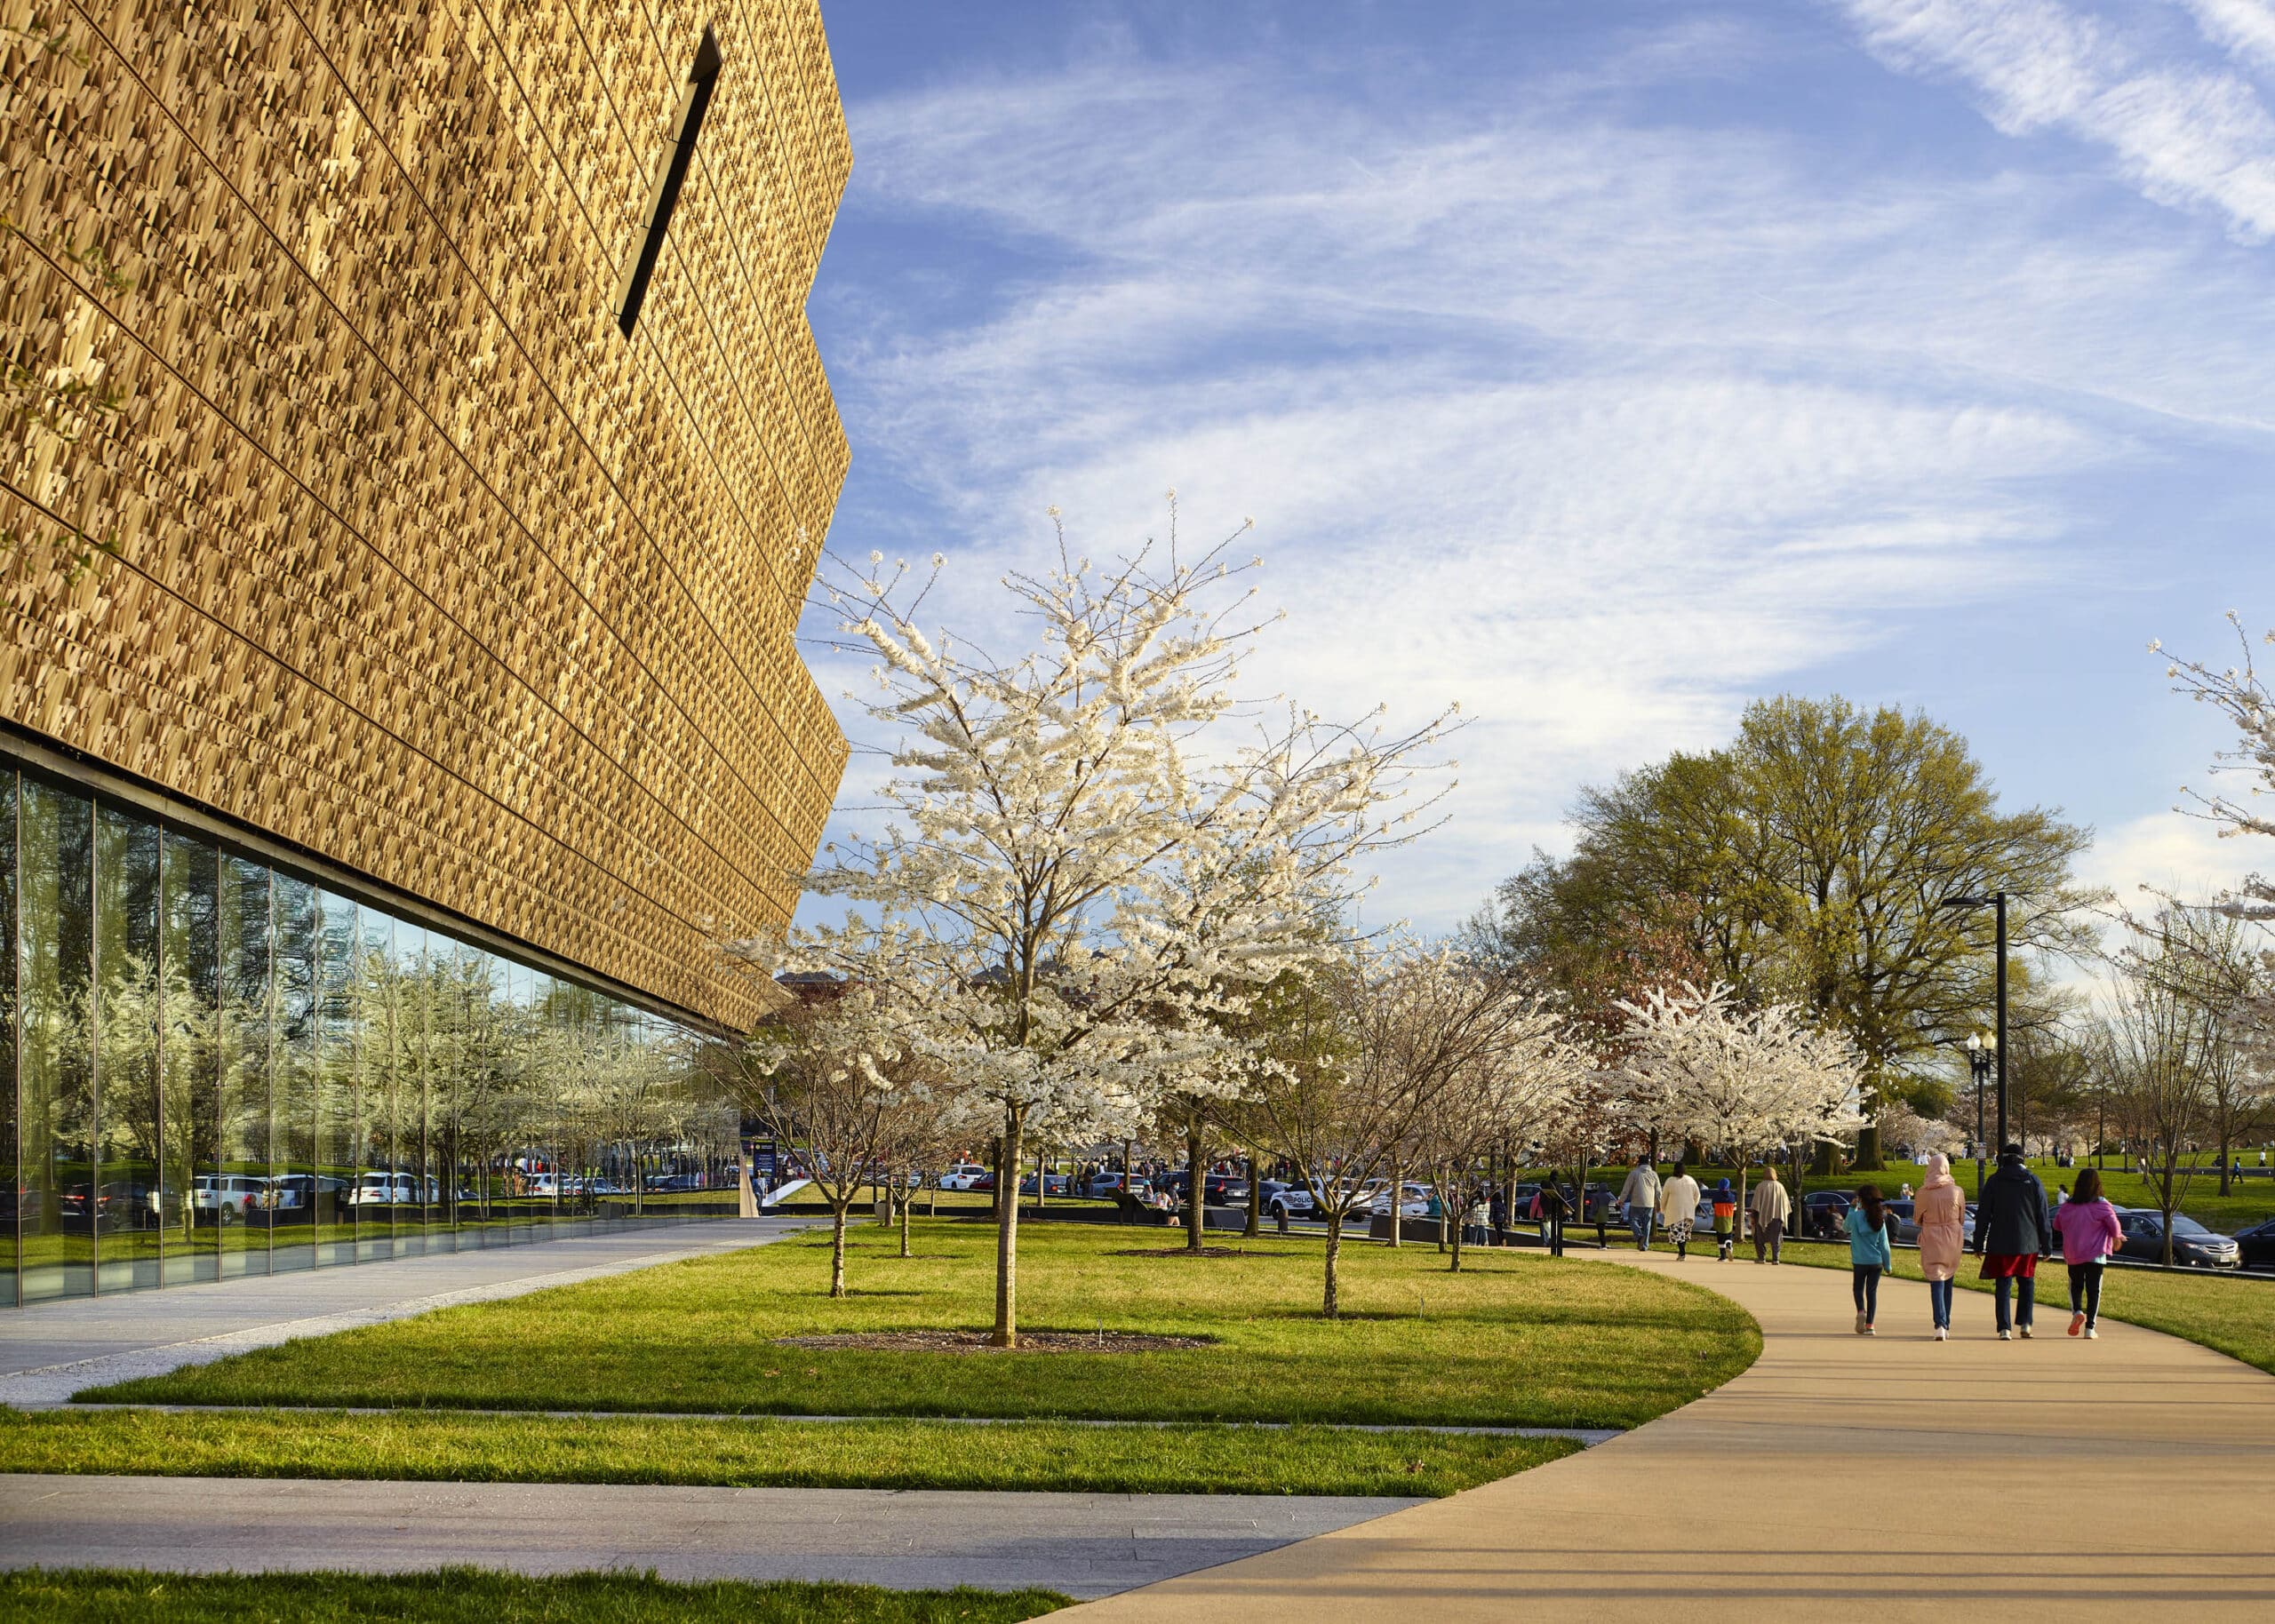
2011 1216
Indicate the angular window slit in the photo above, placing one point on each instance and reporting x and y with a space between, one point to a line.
663 191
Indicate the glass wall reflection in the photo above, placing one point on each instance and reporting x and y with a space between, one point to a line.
210 1068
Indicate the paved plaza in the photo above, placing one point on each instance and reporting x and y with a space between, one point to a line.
52 1349
1085 1545
2051 1478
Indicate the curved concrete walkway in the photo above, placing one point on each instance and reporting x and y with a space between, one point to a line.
2129 1476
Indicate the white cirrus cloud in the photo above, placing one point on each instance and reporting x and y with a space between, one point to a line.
1598 423
2186 133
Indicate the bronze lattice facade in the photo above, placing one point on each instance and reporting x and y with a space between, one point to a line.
339 504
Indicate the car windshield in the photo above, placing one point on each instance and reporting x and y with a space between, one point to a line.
2182 1224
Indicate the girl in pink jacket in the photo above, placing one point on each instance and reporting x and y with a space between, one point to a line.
2089 1230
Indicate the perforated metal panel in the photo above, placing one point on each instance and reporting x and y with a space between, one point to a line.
414 560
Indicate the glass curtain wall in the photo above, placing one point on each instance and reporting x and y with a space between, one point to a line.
211 1068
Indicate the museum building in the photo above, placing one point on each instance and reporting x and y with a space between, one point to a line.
416 459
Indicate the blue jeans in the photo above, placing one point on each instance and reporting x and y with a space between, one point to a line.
1939 1302
1866 1286
1640 1225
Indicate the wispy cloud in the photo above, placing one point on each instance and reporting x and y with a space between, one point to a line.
1597 420
2185 132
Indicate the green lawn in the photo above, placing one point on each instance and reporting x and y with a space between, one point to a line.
2235 1317
442 1447
469 1595
1515 1340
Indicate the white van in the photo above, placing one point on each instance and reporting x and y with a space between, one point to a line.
228 1196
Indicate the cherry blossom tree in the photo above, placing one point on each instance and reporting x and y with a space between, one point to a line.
1357 1072
1092 852
837 1072
1742 1080
1517 1087
2240 693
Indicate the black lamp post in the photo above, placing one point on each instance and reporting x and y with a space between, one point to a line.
1978 1066
1998 900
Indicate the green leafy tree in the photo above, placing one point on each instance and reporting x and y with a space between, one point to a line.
1805 861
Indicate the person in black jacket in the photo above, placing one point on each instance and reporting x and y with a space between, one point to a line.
2012 1231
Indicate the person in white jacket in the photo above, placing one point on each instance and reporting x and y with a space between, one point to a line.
1678 1209
1772 1209
1638 1197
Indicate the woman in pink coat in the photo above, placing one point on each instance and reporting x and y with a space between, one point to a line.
1940 1210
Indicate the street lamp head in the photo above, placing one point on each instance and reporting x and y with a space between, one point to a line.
1973 1041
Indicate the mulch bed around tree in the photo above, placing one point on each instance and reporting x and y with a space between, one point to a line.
976 1341
1179 1251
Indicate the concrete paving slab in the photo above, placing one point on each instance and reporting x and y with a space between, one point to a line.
2127 1476
1085 1544
51 1349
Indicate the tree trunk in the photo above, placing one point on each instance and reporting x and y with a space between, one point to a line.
1194 1198
1255 1225
837 1245
996 1196
907 1200
1397 1189
1445 1223
1041 1181
1007 1244
2226 1149
1332 1305
1868 1148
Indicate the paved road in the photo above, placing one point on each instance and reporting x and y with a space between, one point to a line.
51 1349
1085 1544
2129 1476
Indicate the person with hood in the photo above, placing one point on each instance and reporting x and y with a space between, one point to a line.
2090 1233
1552 1209
1726 1213
1770 1207
2012 1231
1940 1210
1679 1210
1870 1254
1640 1197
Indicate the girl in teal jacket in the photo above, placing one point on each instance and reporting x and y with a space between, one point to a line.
1870 1256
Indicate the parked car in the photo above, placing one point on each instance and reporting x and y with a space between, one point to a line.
1903 1224
1824 1211
1054 1184
391 1190
2192 1244
965 1175
2257 1244
1414 1201
120 1204
1224 1190
228 1196
1282 1198
1103 1186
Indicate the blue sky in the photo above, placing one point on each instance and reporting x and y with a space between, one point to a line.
1600 366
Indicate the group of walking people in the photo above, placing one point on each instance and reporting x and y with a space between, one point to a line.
1670 1208
2015 1231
